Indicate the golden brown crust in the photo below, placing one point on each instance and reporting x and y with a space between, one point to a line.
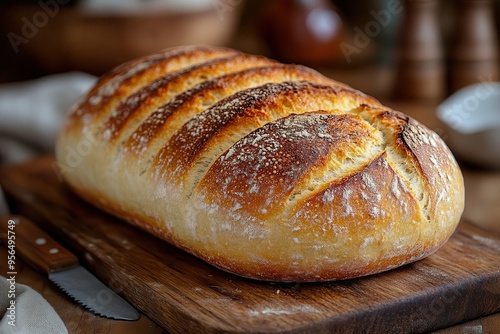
122 81
136 107
169 118
210 133
269 171
279 157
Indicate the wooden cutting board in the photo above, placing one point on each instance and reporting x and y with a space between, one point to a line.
183 294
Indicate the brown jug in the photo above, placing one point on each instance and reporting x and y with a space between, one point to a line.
302 31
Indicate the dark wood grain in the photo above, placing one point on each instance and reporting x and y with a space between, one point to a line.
183 294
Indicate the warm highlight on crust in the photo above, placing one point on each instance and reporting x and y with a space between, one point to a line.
169 118
265 170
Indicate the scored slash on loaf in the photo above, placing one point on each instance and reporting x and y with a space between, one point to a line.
265 170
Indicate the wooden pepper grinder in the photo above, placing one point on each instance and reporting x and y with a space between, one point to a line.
420 73
475 53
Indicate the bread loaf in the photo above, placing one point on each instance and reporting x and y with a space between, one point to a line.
265 170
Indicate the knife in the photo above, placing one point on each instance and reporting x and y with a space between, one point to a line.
45 254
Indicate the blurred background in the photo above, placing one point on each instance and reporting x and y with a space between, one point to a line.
420 50
51 36
412 55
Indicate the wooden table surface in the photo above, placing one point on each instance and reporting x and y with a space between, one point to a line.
482 199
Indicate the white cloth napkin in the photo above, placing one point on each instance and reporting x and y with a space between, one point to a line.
31 113
30 116
33 314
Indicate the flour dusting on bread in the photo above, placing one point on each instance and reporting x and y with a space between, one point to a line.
265 170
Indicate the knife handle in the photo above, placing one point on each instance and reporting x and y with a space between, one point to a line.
34 245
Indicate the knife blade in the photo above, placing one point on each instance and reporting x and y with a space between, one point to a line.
45 254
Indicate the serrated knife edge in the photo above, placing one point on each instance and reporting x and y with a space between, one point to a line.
45 254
